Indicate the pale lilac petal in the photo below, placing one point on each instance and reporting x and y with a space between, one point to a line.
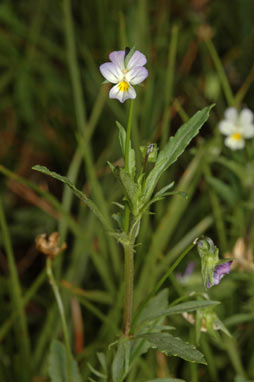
231 114
219 272
120 95
234 144
246 117
136 75
226 127
111 72
137 59
248 131
117 58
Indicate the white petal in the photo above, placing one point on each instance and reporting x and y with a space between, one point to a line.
246 117
248 131
136 75
226 127
117 58
234 144
120 95
231 114
111 72
137 59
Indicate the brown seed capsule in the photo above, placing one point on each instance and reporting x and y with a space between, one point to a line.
49 245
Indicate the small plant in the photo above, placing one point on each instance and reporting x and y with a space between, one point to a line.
147 327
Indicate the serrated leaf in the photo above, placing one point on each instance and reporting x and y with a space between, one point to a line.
174 148
77 192
170 345
189 306
57 364
122 139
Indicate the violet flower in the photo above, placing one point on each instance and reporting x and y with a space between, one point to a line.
212 268
124 71
219 272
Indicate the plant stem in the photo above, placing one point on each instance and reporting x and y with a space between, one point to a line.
62 316
128 248
128 287
128 137
126 162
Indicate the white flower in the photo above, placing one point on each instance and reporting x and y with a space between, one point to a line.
237 127
124 76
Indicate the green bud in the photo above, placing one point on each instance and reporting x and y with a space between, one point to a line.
149 152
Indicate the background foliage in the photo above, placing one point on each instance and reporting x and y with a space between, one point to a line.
199 52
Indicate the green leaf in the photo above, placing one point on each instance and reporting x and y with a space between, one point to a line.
77 192
130 188
157 304
170 345
121 361
189 306
57 364
164 189
174 148
122 139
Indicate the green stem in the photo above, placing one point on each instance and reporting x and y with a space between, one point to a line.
129 248
15 290
161 282
128 286
62 316
126 162
128 137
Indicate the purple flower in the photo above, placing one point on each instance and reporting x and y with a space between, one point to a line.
124 74
218 273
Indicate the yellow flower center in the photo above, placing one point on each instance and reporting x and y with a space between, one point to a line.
123 86
237 136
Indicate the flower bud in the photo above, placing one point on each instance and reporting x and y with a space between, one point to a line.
149 152
212 269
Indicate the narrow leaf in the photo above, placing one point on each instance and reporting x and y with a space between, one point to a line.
157 304
120 364
174 148
189 306
122 139
171 345
77 192
57 364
